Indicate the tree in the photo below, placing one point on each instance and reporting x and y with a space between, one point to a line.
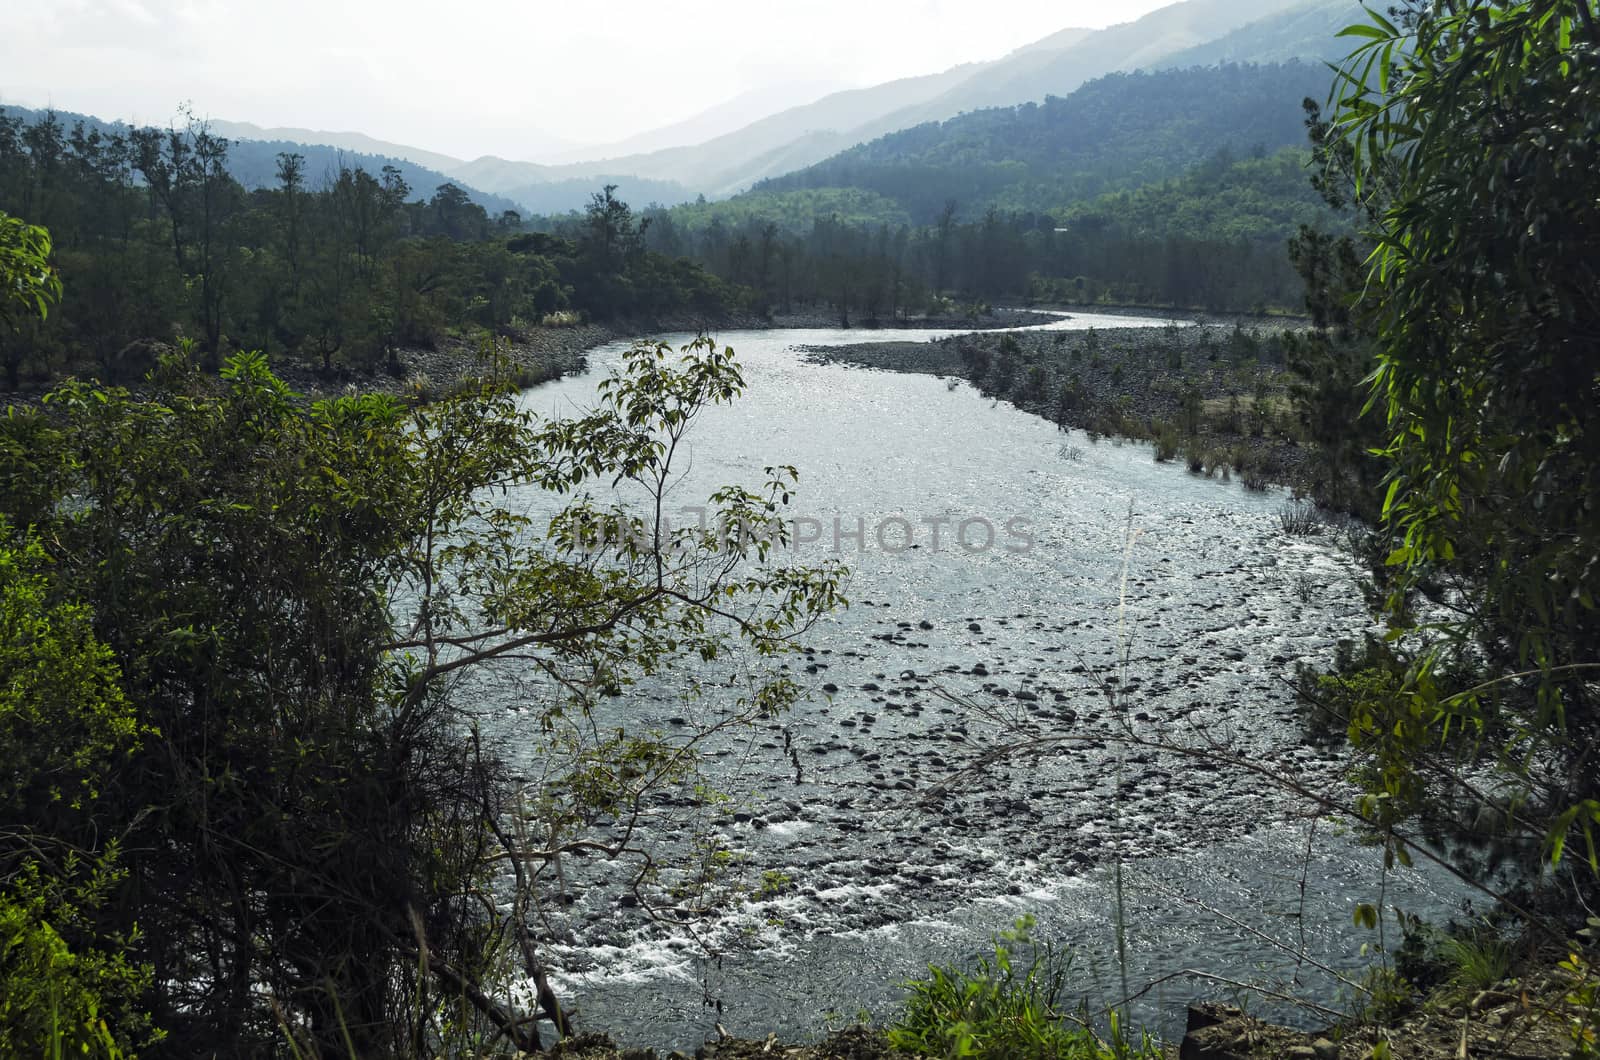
29 285
610 250
185 170
1473 133
455 215
157 242
291 187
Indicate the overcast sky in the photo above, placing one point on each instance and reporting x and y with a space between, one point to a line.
474 77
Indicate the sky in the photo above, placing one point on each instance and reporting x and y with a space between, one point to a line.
514 78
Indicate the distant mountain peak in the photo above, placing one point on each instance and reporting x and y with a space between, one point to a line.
1064 38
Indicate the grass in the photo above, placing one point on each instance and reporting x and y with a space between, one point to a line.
1005 1008
1478 961
1276 407
1299 519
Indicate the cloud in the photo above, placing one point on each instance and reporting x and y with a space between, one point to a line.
486 76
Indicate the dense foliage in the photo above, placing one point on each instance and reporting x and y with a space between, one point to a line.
1471 130
313 835
67 975
1115 132
156 240
1175 188
1211 240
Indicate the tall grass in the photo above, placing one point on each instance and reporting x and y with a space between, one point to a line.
1009 1006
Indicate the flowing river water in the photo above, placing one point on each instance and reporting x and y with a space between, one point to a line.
855 879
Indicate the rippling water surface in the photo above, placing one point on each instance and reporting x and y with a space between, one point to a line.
1219 607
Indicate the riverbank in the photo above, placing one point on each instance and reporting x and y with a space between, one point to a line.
856 1043
1533 1013
1211 395
537 355
987 320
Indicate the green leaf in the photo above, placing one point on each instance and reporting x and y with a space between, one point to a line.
1363 29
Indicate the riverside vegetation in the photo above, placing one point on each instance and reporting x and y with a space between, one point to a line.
1218 398
247 811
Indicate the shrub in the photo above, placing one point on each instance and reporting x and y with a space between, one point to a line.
1168 443
57 1000
67 985
1299 519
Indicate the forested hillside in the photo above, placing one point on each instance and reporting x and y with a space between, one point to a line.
1226 197
1215 238
1120 131
1176 188
156 241
1060 65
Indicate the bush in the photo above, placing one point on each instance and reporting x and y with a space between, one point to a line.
57 1001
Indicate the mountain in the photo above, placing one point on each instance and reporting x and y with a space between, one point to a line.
1065 38
253 163
344 141
573 193
495 174
730 162
1118 131
1036 73
1307 31
724 118
709 156
802 136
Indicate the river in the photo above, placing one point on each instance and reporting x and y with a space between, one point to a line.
855 881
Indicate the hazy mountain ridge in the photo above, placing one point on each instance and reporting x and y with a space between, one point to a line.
1054 65
1309 31
253 163
565 196
1035 75
726 117
1059 64
344 141
1187 33
723 165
